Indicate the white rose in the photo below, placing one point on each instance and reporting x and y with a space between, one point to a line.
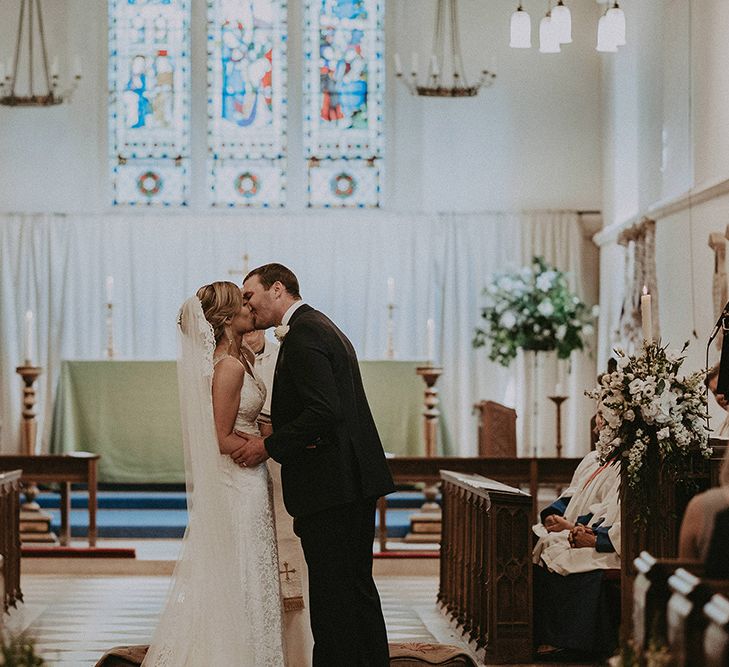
508 320
623 362
588 330
561 332
595 310
544 281
664 433
629 415
636 386
546 308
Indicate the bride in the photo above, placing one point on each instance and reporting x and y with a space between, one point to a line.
224 605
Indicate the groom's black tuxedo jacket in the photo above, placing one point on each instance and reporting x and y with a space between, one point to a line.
323 432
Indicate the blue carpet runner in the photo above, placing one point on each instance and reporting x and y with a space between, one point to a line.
146 514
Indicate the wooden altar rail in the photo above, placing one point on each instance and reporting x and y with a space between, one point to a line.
512 471
10 536
65 470
485 567
674 607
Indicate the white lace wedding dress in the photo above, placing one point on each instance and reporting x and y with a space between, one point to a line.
224 606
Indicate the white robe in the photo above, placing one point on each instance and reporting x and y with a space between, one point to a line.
600 497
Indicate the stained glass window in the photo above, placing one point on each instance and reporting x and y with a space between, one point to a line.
149 117
247 102
343 101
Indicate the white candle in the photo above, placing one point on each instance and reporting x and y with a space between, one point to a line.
54 66
109 289
391 290
28 338
431 340
414 63
2 72
434 65
558 389
646 315
77 66
398 64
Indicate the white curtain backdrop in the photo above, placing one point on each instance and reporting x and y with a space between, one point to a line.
56 266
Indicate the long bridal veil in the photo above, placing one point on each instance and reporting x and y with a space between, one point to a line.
198 623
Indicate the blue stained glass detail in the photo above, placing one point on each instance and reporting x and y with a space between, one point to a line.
344 80
149 86
247 102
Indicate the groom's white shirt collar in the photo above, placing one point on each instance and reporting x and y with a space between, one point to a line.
292 309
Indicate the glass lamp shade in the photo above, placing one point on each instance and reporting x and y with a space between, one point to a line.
605 36
562 21
548 41
521 30
616 17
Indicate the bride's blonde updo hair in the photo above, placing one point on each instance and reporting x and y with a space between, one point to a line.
219 301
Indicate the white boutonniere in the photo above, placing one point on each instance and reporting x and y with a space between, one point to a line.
280 332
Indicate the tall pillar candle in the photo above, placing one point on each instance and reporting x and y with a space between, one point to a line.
646 316
28 339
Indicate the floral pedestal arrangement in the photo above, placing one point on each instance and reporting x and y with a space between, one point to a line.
533 309
655 423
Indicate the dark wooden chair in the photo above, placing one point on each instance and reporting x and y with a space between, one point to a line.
496 430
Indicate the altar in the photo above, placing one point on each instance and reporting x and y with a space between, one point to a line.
128 412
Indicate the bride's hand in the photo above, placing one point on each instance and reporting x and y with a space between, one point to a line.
251 453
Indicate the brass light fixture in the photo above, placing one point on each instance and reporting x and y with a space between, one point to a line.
439 84
49 95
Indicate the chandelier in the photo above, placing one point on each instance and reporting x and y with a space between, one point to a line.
445 76
555 28
49 94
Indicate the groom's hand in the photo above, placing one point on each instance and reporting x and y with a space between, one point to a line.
251 453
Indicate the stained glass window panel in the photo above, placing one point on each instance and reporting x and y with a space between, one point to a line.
149 117
247 102
344 100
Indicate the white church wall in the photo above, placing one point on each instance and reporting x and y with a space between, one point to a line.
532 141
673 138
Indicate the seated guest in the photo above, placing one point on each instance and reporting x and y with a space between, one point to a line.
698 521
712 381
579 538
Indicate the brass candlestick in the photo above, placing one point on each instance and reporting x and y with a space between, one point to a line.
558 400
430 375
34 522
425 525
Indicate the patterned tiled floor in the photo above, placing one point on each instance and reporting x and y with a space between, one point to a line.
76 619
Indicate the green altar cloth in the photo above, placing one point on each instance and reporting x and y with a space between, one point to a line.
128 411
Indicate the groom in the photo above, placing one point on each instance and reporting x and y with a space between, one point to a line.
333 467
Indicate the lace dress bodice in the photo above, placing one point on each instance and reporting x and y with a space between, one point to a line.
252 398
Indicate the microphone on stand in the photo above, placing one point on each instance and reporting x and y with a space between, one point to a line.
722 385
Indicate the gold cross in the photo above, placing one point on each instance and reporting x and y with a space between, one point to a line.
286 571
244 272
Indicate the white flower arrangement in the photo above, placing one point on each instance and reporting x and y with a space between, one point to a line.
651 416
533 309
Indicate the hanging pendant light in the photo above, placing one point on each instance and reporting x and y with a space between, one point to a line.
616 16
548 40
562 20
605 36
521 29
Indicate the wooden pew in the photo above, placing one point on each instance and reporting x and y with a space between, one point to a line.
651 594
10 537
716 637
485 566
685 615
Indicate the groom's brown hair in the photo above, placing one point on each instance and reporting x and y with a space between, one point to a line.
270 273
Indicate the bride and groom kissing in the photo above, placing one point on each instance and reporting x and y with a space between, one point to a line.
224 607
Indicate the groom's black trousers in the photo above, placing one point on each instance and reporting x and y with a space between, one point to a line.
346 616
